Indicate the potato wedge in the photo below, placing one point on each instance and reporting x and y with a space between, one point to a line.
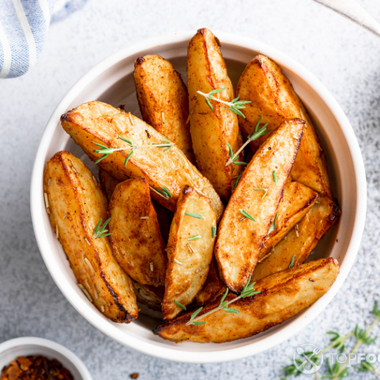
297 201
97 122
148 295
283 295
190 248
274 100
107 182
136 238
212 130
75 204
241 238
212 287
163 100
301 240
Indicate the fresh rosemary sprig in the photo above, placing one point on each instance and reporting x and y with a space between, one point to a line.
194 215
247 215
231 153
252 137
106 150
100 231
265 192
248 291
164 191
338 370
235 105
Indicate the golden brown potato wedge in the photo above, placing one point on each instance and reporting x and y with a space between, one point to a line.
97 122
212 287
163 100
274 100
107 182
75 204
148 295
297 201
190 247
136 238
212 130
248 215
301 240
283 295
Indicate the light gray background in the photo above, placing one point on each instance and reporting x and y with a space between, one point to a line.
343 56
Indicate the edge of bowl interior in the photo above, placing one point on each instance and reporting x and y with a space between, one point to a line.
13 348
137 337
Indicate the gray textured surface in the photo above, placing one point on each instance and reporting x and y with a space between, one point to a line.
343 56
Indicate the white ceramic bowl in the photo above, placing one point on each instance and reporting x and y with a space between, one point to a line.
112 81
11 349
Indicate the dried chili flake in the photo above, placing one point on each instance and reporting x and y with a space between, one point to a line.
35 368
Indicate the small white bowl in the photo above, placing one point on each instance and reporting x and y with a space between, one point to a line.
27 346
112 81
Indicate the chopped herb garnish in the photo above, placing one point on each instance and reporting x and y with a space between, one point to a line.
180 305
231 154
164 192
195 237
252 137
213 230
235 105
247 215
248 291
128 157
194 215
265 192
237 180
292 261
273 225
274 176
100 231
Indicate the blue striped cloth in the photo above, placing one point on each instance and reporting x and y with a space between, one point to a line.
23 28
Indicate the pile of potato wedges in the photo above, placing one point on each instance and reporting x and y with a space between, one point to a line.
205 210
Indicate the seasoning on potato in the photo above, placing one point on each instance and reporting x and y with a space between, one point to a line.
77 208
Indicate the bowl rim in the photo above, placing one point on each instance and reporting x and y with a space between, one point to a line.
51 345
170 353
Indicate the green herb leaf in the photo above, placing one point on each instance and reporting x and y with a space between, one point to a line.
197 323
128 157
292 261
265 192
196 237
166 190
180 305
224 296
247 215
213 230
194 215
234 311
100 231
124 139
273 225
237 180
196 312
274 176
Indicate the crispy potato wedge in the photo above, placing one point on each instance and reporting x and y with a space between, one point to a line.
190 249
75 204
136 238
97 122
212 130
274 99
297 201
301 240
107 182
241 239
212 287
148 295
163 100
283 295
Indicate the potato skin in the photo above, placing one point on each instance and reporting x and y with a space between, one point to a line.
301 240
163 100
101 123
76 204
212 130
274 99
137 243
148 295
107 182
240 241
298 199
283 295
183 282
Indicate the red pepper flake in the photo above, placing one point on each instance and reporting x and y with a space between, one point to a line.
35 368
